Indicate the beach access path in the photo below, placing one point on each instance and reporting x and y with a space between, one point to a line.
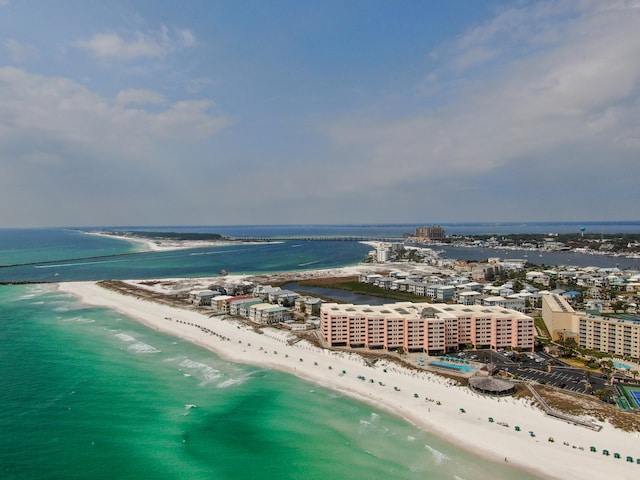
427 400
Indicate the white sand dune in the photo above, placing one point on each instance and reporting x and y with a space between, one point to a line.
471 430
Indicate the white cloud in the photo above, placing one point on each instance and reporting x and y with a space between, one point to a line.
63 114
71 156
21 52
188 39
581 88
110 45
139 97
113 46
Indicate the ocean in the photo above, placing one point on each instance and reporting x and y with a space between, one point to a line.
89 393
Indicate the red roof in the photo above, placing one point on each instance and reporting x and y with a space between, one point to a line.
233 299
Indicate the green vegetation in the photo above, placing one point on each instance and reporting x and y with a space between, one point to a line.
172 235
541 327
363 289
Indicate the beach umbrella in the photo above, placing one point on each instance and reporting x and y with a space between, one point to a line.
593 449
616 455
517 428
416 395
490 419
629 459
605 452
462 410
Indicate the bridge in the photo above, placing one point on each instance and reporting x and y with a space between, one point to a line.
318 238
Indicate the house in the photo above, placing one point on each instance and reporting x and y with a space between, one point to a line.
240 307
263 291
445 293
266 313
202 297
308 305
219 303
512 303
384 282
283 297
369 277
470 287
468 298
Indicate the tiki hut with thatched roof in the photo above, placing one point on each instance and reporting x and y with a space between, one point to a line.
492 386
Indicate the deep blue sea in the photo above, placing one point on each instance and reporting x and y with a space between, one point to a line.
89 393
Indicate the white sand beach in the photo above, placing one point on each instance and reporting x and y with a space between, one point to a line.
162 245
394 390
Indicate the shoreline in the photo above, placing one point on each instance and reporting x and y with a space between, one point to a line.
236 342
166 245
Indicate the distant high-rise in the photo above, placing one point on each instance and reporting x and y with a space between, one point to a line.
432 233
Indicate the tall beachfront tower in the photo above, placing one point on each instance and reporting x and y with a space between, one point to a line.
434 233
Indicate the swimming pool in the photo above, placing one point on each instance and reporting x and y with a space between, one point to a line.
621 366
453 366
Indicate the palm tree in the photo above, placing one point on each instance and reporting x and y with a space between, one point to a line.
606 366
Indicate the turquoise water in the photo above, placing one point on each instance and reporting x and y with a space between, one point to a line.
454 366
621 366
61 255
36 245
88 393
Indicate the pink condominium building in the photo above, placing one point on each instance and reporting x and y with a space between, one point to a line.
425 327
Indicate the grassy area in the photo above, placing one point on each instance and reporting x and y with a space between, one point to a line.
353 285
542 328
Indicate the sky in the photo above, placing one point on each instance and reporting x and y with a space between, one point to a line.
207 112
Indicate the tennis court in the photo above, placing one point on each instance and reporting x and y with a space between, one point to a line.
632 394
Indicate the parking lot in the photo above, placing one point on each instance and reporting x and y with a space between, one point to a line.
535 367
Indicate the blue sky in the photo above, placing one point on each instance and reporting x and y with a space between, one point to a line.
282 112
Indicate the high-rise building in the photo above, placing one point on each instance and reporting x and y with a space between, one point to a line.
432 233
424 327
618 335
